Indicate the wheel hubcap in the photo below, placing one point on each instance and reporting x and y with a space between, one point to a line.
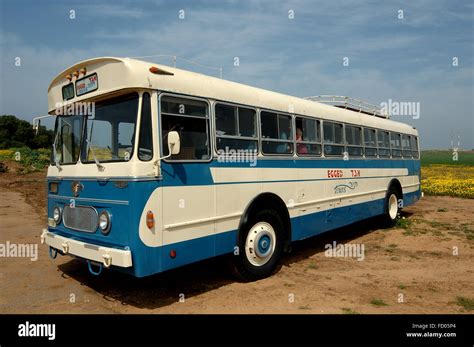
393 206
260 243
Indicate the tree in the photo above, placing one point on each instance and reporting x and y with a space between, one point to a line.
16 132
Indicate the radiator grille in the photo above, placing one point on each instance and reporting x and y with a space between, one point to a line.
82 218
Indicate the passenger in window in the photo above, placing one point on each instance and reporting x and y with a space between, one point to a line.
301 147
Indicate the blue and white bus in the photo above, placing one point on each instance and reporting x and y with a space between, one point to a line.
155 167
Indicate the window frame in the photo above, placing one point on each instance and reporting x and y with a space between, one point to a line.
235 137
334 144
320 143
370 147
417 147
208 119
139 137
389 148
356 146
262 139
406 152
396 148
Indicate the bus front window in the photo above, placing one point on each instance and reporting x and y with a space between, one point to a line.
110 134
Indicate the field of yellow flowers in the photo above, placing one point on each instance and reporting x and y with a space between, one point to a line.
452 180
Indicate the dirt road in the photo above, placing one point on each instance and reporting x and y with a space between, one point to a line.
413 263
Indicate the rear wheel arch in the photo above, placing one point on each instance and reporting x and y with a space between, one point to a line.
268 201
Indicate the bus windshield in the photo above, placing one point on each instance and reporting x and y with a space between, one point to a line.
110 134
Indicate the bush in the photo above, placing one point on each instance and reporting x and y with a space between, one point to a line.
30 160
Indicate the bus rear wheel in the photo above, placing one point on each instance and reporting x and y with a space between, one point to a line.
391 206
260 246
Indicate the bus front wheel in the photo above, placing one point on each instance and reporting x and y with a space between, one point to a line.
260 246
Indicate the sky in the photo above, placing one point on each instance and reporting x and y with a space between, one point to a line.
419 52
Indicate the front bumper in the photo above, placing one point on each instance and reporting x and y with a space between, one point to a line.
105 255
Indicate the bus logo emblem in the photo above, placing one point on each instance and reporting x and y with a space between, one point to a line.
76 187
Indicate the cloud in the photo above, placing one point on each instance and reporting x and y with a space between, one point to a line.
110 10
401 60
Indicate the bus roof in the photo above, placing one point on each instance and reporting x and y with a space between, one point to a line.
116 74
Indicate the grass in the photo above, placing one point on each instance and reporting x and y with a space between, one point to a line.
346 310
442 210
378 302
446 157
466 303
403 223
312 265
402 286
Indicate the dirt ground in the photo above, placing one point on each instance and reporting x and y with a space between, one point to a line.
413 263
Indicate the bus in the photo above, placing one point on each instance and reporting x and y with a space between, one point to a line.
155 167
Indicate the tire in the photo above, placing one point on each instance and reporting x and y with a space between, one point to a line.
265 229
391 208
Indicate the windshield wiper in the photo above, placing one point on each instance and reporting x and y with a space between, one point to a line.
100 167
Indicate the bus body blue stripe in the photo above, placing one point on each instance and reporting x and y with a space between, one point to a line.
180 174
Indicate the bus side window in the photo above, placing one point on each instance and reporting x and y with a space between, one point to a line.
414 147
333 138
395 143
190 119
406 143
308 136
236 128
354 141
383 140
370 142
277 133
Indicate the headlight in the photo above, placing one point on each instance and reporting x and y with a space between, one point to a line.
57 214
104 222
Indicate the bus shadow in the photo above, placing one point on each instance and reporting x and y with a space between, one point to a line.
316 244
154 291
191 280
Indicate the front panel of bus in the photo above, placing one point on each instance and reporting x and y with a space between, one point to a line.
101 176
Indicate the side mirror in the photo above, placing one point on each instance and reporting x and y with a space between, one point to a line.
174 143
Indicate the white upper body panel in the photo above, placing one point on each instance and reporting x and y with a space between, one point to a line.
119 73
